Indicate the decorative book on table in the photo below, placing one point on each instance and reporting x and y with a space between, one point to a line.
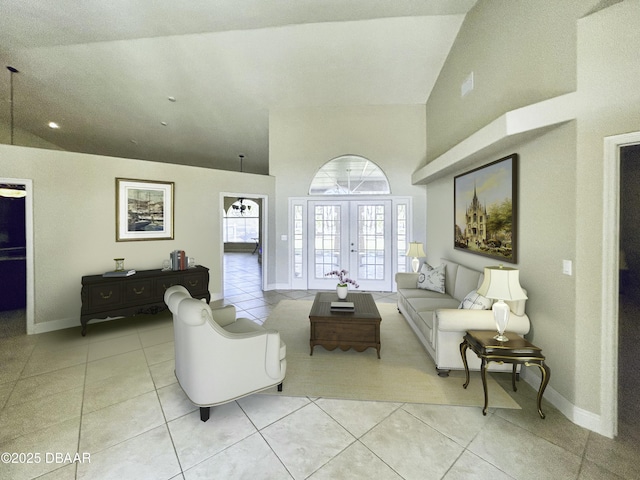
119 273
343 306
178 260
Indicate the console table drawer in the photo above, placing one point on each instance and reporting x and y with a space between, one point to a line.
195 282
137 291
103 296
163 283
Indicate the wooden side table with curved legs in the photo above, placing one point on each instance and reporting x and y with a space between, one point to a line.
516 351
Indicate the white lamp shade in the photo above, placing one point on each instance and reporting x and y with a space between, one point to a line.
415 250
502 283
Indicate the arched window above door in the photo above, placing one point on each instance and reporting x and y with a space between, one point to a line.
350 175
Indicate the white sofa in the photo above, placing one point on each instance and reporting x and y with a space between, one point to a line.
440 325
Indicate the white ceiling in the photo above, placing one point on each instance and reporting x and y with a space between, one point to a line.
105 70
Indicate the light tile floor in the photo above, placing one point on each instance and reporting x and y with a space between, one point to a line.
112 397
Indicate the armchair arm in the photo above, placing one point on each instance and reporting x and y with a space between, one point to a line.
460 320
224 316
407 279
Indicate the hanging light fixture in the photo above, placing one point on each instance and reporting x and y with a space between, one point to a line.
12 71
240 207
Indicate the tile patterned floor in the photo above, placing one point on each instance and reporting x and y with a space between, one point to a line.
112 395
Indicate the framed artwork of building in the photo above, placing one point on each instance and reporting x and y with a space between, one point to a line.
485 207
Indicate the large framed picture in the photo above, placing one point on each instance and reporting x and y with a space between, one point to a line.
485 208
144 210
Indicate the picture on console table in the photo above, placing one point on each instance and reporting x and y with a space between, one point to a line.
485 206
144 210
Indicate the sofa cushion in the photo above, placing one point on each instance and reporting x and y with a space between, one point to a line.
451 270
432 278
474 301
418 293
466 280
426 304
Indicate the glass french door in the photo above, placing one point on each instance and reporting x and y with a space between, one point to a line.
352 235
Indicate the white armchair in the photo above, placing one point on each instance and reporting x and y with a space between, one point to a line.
220 358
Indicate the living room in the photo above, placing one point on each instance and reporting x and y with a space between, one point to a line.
520 56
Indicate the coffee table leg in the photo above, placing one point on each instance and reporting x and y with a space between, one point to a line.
544 381
463 352
513 377
483 368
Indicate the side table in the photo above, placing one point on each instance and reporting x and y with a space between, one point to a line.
516 351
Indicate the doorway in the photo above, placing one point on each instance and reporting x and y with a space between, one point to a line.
16 257
629 294
612 289
351 235
367 236
243 224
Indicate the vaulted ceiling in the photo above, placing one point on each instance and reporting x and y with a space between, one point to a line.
193 82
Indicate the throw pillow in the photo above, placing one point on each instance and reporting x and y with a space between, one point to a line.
475 301
431 278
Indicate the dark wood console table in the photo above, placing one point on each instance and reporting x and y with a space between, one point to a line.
142 292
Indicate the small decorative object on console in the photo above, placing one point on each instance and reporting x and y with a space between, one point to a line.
119 264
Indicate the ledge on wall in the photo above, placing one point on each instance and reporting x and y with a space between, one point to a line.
510 129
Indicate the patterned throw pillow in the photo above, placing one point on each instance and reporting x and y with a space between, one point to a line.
431 278
475 301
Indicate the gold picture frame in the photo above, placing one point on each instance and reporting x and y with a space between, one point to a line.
144 210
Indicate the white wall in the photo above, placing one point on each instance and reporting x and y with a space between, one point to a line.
74 220
302 140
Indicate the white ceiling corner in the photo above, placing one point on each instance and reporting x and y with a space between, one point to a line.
104 70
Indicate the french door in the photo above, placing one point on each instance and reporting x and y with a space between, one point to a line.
353 235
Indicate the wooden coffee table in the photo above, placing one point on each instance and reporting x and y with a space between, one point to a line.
359 329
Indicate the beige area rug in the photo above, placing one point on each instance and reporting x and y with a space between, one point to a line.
405 373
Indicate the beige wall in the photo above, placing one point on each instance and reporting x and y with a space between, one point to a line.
609 92
546 229
561 201
74 219
520 53
302 140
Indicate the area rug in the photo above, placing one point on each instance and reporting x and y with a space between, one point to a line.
405 372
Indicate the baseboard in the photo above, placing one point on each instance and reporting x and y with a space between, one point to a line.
63 323
583 418
60 324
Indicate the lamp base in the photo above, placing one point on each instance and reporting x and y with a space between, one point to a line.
501 317
415 264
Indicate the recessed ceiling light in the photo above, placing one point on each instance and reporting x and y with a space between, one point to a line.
172 99
134 141
53 125
164 124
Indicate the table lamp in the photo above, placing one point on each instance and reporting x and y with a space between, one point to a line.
415 251
501 283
